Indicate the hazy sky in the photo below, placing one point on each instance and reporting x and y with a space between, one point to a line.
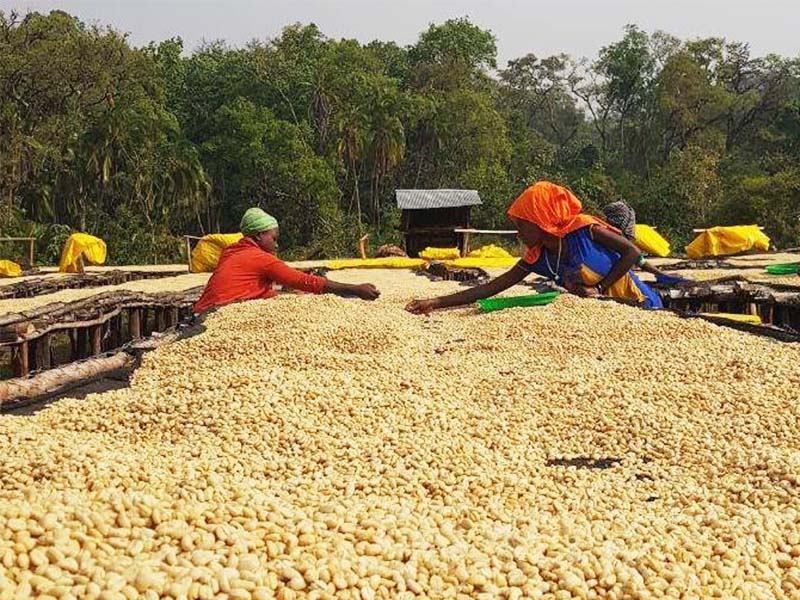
578 27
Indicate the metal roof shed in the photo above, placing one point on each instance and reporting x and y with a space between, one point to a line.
430 217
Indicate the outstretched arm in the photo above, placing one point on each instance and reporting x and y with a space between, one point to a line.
365 291
495 286
661 276
628 255
292 278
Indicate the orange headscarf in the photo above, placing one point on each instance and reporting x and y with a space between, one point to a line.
554 209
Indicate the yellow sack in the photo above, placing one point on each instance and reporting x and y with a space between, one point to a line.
490 251
723 241
8 268
206 253
81 245
431 253
473 262
390 262
648 240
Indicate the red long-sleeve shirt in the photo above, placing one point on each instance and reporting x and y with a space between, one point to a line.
246 272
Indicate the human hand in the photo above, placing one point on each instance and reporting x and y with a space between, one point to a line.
421 307
366 291
584 291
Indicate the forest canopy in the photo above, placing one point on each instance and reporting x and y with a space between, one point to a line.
141 145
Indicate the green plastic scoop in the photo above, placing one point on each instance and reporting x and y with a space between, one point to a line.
784 269
492 304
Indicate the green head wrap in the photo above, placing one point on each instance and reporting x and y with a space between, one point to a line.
256 221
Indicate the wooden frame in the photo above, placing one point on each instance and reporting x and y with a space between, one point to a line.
93 324
31 246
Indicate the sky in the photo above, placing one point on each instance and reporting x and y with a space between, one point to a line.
577 27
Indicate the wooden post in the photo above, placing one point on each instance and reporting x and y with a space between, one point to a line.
114 333
30 253
20 354
174 317
97 339
188 251
159 320
41 353
465 249
82 342
135 323
73 345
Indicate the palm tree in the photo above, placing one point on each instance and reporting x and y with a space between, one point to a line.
387 144
352 143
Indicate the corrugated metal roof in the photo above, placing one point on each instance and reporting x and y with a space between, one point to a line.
422 199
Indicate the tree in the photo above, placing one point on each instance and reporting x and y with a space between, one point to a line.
627 69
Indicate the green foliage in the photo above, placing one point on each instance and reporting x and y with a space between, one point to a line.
142 145
456 41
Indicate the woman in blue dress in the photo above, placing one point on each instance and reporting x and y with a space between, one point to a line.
580 252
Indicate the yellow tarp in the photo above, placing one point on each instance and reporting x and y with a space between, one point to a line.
81 245
485 263
723 241
490 251
431 253
206 253
8 268
390 262
650 241
734 317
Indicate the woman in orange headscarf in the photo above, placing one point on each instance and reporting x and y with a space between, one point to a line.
580 252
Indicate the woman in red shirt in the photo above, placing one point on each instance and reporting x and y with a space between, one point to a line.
248 269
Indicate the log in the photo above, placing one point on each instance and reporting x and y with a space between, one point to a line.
14 390
25 390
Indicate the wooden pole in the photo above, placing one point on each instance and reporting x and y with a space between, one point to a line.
135 323
96 332
465 246
174 316
30 254
42 353
82 344
20 353
188 251
114 333
73 345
